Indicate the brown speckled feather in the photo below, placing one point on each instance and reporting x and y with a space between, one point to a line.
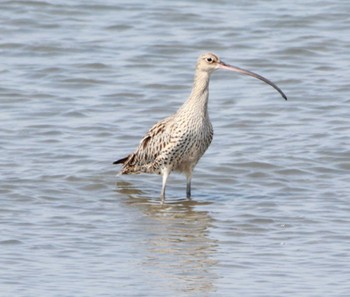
150 147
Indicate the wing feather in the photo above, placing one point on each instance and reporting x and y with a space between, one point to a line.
149 148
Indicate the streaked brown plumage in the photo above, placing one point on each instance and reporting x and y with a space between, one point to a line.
179 141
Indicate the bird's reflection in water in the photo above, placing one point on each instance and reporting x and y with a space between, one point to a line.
177 249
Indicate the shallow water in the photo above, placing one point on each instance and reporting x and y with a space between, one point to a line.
81 82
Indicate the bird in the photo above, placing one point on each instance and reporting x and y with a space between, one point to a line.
177 142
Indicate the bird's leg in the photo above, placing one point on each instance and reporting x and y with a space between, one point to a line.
188 184
166 174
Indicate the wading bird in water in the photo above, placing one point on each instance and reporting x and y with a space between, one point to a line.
179 141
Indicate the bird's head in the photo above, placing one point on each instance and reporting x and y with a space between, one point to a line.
210 62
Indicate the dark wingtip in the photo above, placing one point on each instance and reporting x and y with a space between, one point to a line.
121 161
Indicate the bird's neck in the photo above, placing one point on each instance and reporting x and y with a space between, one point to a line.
197 102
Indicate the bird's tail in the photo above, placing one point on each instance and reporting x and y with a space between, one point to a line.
129 167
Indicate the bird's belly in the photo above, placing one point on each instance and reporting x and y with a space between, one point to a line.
186 163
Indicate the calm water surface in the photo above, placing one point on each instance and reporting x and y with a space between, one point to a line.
82 81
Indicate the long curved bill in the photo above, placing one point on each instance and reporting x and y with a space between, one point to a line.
223 65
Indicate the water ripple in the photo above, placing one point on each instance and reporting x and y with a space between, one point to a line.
81 84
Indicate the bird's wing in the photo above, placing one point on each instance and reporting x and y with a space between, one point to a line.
150 147
158 137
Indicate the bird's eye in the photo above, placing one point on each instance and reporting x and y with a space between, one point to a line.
209 60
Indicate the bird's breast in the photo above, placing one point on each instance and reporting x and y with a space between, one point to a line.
192 139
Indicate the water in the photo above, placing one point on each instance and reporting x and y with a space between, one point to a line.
82 81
